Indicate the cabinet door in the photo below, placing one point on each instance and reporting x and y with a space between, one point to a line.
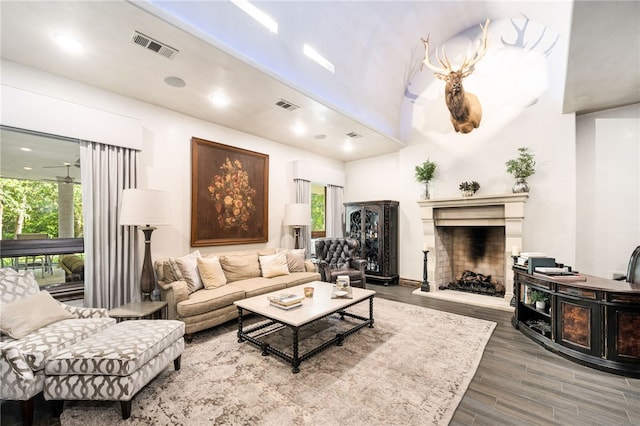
370 241
578 325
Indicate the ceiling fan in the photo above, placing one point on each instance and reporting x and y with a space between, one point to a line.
67 178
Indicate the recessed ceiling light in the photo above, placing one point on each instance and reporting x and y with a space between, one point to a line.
24 148
347 147
27 168
220 100
257 14
319 59
68 43
174 81
299 129
320 136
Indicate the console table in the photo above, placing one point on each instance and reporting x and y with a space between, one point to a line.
594 322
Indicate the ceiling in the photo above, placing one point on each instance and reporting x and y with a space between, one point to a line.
375 47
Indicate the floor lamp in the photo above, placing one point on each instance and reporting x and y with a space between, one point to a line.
297 216
146 209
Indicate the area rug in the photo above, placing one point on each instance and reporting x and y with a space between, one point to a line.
412 368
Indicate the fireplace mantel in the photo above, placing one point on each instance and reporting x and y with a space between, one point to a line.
479 210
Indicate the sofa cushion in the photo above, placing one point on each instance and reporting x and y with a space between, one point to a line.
260 285
19 318
35 348
238 267
211 272
295 259
188 267
170 270
274 265
207 300
16 285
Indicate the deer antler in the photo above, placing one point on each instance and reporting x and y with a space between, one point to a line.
467 65
446 68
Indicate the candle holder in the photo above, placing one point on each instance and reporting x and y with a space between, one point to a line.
425 278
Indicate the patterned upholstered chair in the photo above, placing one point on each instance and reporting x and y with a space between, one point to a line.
41 326
339 256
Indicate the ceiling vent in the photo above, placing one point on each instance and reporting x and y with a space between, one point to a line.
154 45
354 135
289 106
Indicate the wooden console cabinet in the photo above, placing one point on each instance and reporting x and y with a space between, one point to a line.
375 225
594 322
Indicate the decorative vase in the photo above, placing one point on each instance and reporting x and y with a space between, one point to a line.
426 195
540 305
521 185
468 192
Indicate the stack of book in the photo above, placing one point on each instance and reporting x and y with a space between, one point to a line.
286 300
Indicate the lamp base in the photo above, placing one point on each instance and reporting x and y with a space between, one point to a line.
296 236
148 277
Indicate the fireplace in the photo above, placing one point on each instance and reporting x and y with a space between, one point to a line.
477 234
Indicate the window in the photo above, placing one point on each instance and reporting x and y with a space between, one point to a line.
42 218
318 210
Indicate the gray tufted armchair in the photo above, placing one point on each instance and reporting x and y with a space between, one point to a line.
339 256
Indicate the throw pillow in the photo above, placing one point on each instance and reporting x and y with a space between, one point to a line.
274 265
211 272
295 259
19 318
238 267
188 266
170 270
16 285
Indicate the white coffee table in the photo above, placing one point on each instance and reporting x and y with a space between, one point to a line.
321 305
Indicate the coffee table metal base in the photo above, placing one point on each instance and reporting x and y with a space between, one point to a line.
295 359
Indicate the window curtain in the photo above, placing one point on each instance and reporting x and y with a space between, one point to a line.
111 268
303 195
333 216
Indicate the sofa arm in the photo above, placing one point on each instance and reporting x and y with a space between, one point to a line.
325 271
83 313
309 266
173 293
18 380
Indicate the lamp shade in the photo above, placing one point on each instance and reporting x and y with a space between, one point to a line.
144 207
297 214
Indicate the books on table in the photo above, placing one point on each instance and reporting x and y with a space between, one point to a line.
286 300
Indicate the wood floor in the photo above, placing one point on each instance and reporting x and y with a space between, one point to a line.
517 383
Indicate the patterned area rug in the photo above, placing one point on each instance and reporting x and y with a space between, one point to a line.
412 368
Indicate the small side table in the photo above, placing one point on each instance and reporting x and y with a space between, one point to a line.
139 310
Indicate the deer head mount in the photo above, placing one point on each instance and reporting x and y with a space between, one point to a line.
464 107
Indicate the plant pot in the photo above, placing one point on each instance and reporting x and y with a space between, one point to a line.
541 305
521 185
468 193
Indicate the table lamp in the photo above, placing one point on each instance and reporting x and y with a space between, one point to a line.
297 215
145 208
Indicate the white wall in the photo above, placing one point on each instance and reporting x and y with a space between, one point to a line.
608 190
166 153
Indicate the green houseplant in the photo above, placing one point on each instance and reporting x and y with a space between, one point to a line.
521 168
539 298
469 188
424 173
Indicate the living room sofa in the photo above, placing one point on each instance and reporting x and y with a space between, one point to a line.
200 289
35 327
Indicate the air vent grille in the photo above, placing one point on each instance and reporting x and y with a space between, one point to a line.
354 135
289 106
154 45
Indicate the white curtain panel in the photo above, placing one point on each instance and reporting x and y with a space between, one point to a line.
303 195
112 270
335 210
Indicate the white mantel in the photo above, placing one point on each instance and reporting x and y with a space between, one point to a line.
482 210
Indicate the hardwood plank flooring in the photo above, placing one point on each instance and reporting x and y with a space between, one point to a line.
517 383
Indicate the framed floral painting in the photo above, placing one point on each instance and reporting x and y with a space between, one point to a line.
229 194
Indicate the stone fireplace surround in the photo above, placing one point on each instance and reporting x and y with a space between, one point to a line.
440 216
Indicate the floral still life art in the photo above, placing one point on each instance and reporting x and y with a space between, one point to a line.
233 196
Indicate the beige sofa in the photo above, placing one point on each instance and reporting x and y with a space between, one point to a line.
200 289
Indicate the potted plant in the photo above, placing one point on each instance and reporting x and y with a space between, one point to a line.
424 173
540 299
469 188
521 168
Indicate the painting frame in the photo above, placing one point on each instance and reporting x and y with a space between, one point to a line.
229 195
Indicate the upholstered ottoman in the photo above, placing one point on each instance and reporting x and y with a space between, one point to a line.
114 364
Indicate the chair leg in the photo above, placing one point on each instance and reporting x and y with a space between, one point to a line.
26 410
176 363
